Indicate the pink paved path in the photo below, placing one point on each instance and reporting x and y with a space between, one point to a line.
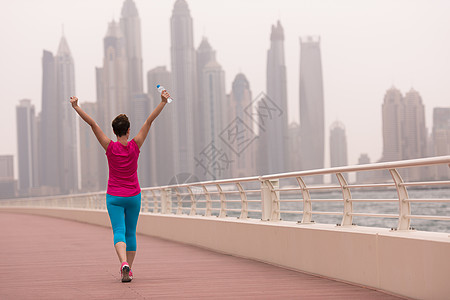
48 258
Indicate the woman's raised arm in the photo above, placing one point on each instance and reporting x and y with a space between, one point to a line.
142 135
102 138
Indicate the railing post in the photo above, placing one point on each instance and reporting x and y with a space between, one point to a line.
144 203
179 202
223 203
307 205
244 202
101 200
193 210
270 197
166 201
208 208
147 201
155 202
347 218
404 206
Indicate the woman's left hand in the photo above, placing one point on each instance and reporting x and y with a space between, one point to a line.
74 101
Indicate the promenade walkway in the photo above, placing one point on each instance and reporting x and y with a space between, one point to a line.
48 258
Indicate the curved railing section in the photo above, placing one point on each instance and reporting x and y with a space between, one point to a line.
291 196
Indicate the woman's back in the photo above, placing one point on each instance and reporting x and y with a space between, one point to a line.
122 161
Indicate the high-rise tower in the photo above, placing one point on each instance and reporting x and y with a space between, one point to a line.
240 98
26 146
204 55
273 141
112 87
404 131
415 133
130 24
393 119
112 82
441 138
312 116
67 120
58 153
7 182
184 86
293 147
338 147
214 109
48 144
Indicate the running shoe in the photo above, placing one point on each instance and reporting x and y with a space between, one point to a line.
125 272
130 275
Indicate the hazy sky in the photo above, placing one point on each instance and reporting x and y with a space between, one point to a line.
367 46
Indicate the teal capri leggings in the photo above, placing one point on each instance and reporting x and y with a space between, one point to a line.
124 214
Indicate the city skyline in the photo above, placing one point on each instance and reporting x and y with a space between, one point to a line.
349 86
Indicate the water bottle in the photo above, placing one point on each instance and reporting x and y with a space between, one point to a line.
161 89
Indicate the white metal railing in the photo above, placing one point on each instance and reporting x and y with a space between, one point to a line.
265 197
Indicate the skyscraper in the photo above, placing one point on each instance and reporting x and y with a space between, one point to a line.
130 24
441 138
404 131
241 97
112 87
7 182
161 135
67 120
204 55
366 176
338 147
293 148
416 137
212 108
48 150
26 146
214 114
6 167
312 116
184 86
415 132
112 78
58 153
393 120
273 142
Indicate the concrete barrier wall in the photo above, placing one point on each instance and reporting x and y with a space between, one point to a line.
412 264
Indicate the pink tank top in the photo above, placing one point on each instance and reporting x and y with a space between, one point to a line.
122 161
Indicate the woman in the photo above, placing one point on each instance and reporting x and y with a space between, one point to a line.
123 196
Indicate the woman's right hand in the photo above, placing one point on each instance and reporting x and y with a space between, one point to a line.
74 101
